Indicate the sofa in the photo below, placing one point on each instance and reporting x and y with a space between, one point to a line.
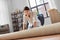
55 15
4 29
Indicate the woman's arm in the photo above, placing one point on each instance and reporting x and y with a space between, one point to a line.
24 23
24 26
34 20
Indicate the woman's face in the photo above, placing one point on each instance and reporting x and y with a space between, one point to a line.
27 12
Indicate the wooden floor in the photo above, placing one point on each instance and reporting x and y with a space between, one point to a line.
51 37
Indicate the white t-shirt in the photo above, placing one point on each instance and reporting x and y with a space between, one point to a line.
31 20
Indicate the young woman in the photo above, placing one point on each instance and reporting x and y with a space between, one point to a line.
29 19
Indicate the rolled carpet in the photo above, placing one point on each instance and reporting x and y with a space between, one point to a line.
38 31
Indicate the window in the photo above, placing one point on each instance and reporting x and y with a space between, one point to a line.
42 10
34 10
39 2
32 3
47 7
45 1
40 6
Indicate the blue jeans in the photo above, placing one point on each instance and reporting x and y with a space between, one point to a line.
41 18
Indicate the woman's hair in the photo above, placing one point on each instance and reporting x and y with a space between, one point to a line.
26 8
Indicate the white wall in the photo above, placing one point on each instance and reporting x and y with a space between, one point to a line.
52 4
9 3
57 3
4 14
19 4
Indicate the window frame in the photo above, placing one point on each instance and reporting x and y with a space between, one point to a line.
38 6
